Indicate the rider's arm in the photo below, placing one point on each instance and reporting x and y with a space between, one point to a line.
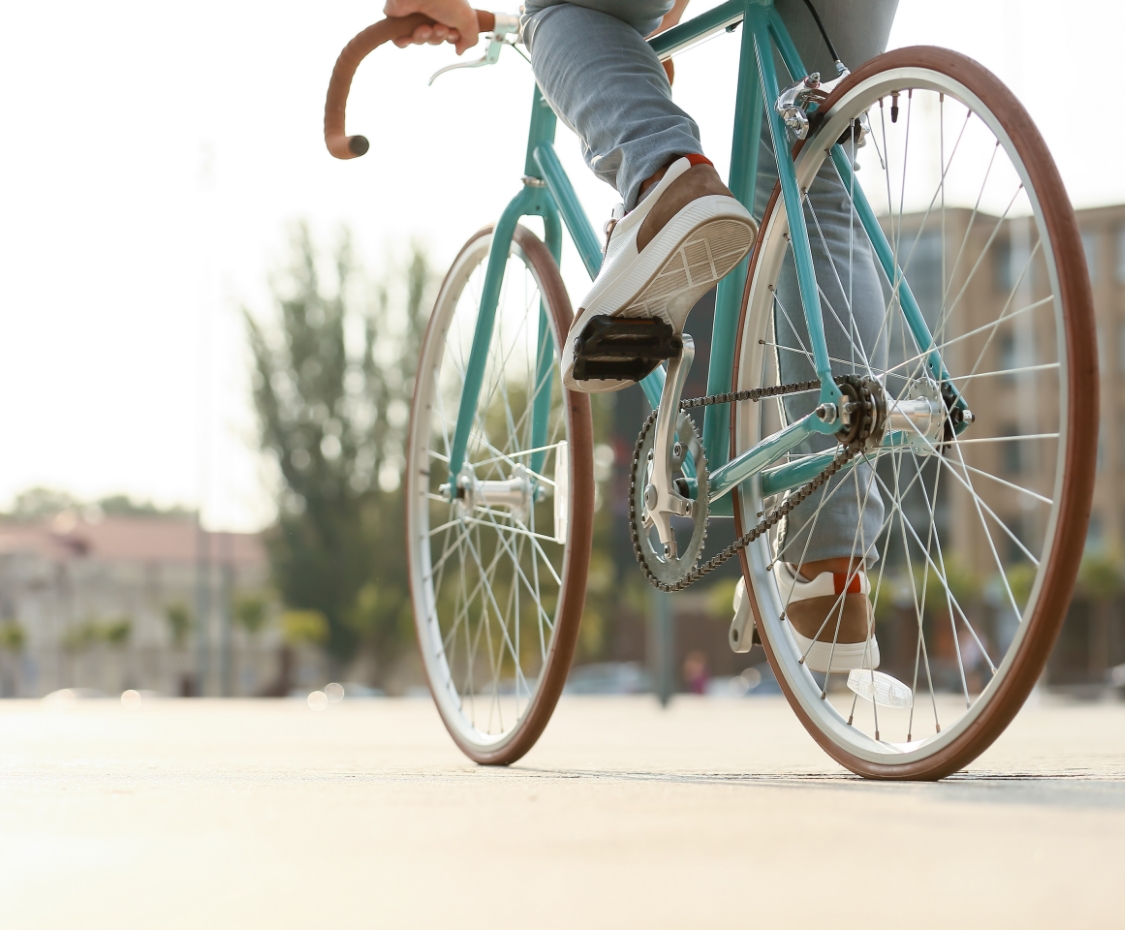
456 22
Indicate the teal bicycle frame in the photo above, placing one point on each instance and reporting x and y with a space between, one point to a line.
548 193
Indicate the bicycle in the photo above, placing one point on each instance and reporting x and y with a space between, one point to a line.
984 506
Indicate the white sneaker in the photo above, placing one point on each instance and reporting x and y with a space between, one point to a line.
662 257
844 600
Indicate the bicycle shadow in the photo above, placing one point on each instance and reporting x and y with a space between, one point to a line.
1071 787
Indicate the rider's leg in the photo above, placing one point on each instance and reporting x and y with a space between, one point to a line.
607 85
836 529
687 231
829 525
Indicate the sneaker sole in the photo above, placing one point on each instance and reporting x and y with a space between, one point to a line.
705 254
843 656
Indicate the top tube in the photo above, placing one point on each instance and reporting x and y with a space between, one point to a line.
724 16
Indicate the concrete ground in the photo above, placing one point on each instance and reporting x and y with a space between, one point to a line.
714 813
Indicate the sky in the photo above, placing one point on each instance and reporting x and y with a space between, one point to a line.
155 158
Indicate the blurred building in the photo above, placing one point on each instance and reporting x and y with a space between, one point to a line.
1093 639
114 603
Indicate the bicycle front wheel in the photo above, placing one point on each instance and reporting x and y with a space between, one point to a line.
970 532
498 566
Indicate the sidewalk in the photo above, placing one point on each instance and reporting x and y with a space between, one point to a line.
714 813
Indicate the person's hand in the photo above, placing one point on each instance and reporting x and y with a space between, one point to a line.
455 22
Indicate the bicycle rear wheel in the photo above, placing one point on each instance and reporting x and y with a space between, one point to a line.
498 571
971 540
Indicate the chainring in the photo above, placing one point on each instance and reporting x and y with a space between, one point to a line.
850 447
666 569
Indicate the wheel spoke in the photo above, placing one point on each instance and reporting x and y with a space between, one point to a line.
962 522
495 580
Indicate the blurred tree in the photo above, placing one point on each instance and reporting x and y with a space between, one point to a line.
179 623
113 632
13 637
78 639
124 505
116 632
960 581
38 503
332 386
1099 576
304 626
1021 578
42 503
251 612
1100 582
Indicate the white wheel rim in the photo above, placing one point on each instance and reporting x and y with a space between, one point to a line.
772 247
485 714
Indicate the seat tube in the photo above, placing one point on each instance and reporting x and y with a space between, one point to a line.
728 295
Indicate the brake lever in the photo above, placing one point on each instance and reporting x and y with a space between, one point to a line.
491 56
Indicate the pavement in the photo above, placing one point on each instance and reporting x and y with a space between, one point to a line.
712 813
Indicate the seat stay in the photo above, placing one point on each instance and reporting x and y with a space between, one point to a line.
885 254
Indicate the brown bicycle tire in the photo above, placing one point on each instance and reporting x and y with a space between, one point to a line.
1075 292
572 592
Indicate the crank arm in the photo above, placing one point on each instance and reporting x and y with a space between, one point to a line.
663 501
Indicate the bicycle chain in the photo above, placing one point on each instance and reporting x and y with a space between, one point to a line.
847 452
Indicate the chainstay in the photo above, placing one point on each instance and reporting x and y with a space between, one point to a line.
772 519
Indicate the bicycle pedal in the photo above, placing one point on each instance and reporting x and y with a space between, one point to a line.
622 349
880 688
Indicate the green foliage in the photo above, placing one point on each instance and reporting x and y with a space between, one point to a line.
13 637
179 623
122 505
1021 577
251 612
304 626
332 386
960 580
892 592
39 503
1099 576
601 594
720 598
382 619
42 503
113 632
117 632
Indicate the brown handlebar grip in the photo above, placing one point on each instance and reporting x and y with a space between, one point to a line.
339 143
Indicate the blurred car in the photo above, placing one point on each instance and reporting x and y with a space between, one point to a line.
353 689
66 695
609 678
755 681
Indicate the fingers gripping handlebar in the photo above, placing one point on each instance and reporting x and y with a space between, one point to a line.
339 143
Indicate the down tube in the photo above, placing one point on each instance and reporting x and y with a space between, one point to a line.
545 352
525 202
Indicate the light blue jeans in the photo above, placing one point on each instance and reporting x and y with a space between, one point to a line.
604 81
